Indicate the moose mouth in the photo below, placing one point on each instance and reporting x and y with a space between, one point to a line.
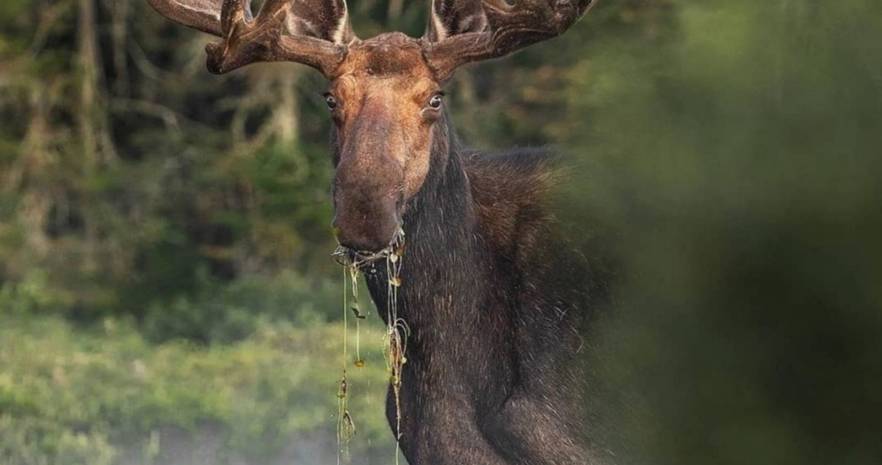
350 257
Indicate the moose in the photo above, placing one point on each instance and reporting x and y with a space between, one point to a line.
496 303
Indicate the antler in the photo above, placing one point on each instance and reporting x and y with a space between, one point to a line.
315 34
464 31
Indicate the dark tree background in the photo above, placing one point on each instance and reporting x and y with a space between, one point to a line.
165 279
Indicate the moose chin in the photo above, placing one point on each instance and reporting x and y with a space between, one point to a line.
497 305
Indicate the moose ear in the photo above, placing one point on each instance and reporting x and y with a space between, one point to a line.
321 19
453 17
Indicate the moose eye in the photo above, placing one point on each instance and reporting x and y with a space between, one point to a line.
331 101
435 101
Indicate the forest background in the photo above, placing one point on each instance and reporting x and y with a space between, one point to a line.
167 294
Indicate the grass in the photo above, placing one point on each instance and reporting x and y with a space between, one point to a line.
106 395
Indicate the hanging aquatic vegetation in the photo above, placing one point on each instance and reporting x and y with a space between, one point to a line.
395 338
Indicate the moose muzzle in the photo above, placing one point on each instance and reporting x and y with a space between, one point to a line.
369 185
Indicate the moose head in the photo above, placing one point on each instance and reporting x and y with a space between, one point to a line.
385 95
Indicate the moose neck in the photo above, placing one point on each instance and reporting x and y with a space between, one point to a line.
444 260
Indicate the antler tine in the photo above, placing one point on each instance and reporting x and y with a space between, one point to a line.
510 26
234 12
244 41
269 36
203 15
248 40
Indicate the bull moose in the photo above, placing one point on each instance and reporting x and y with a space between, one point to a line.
495 302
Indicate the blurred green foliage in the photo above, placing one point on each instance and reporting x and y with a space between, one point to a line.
165 278
733 168
69 396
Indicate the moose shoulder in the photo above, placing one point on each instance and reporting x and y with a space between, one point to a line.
495 303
